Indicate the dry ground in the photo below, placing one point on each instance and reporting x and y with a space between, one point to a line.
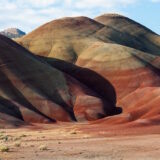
65 142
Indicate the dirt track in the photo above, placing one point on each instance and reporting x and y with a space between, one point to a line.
70 144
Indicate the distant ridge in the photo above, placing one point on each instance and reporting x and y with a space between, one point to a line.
12 33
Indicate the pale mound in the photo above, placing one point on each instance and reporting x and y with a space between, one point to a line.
56 38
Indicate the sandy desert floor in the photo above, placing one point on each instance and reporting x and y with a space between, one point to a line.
67 143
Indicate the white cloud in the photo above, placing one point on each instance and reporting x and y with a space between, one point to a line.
155 0
28 14
102 3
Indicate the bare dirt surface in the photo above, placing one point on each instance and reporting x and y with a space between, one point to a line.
66 142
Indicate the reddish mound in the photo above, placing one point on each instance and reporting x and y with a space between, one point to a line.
33 91
122 54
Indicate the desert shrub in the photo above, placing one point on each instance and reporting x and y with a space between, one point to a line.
5 138
43 147
4 148
23 135
74 132
18 144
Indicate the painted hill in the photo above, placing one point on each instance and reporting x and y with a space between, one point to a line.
33 91
124 31
113 46
12 33
56 38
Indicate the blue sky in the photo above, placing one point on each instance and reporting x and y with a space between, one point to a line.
29 14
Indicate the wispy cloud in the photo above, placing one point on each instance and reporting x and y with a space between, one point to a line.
28 14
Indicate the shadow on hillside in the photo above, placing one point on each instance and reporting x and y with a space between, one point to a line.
19 61
92 80
139 42
7 107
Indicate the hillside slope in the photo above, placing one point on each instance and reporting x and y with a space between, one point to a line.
33 91
122 30
122 51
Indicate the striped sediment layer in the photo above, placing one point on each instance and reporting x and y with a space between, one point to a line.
109 61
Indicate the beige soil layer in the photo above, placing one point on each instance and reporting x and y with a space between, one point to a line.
65 142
